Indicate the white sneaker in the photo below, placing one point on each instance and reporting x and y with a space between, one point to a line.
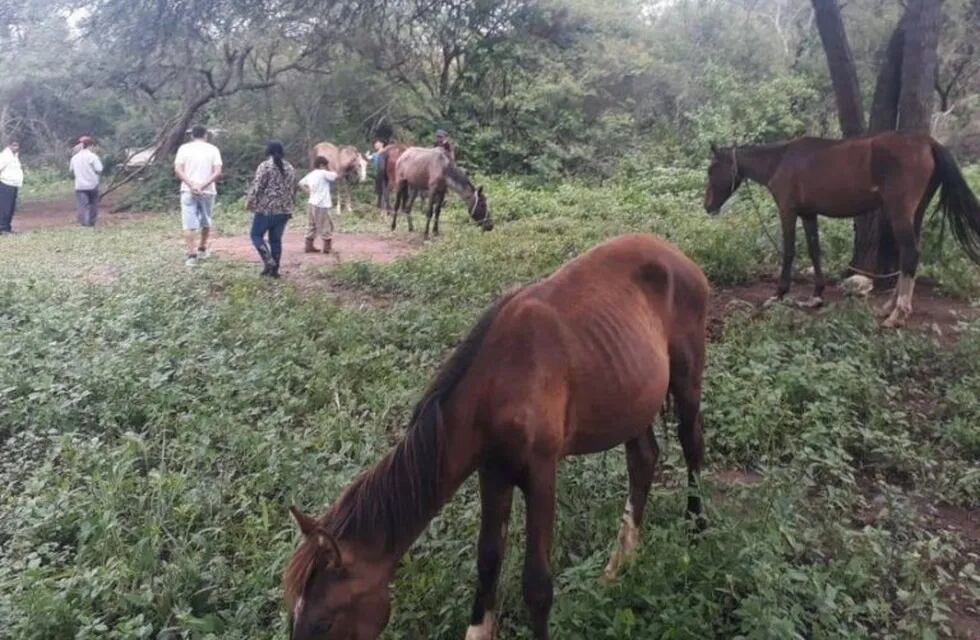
203 254
191 261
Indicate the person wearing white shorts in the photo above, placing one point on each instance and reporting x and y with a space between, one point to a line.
198 165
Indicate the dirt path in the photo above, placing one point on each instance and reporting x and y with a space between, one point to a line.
347 247
932 310
53 213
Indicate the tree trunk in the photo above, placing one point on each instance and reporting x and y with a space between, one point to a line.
840 61
175 136
920 58
868 238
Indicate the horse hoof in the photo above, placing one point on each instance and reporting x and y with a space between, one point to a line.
487 630
813 303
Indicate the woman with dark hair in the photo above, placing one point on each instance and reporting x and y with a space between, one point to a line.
271 198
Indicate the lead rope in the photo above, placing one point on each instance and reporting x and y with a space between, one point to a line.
868 274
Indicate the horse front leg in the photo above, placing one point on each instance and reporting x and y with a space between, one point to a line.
539 494
788 221
438 210
496 496
428 215
813 247
408 211
401 197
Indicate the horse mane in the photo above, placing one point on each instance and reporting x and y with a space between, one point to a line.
458 179
401 493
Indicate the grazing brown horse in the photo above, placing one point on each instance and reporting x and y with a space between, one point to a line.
432 170
897 173
577 363
348 163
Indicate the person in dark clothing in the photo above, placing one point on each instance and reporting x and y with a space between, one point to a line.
271 198
11 180
378 164
444 142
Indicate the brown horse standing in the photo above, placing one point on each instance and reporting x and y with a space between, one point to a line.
432 170
392 153
348 163
894 172
576 363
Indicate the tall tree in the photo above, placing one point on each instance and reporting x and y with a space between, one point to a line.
840 61
184 54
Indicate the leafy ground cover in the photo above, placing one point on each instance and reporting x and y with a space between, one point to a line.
155 423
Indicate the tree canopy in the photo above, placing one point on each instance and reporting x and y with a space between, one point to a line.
548 88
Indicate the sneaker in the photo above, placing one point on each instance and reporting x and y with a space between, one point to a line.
191 261
203 253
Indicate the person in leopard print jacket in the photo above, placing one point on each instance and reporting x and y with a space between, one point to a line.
271 198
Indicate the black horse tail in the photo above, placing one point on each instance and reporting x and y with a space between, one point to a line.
957 202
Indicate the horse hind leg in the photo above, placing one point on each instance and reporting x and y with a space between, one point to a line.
641 460
496 496
908 258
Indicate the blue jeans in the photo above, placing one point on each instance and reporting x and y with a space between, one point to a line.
275 225
88 206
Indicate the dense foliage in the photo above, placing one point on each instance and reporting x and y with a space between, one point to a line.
543 88
155 424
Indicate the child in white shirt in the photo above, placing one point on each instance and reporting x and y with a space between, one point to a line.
318 184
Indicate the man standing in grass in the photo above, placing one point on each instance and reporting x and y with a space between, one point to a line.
198 165
86 167
11 180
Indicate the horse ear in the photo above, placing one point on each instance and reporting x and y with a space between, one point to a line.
714 149
329 549
479 190
307 525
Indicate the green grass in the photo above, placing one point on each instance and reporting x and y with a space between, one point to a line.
44 183
156 422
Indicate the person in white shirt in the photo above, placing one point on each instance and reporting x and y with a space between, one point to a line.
198 165
11 180
318 183
86 167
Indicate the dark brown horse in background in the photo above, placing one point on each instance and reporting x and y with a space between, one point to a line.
392 153
577 363
432 170
893 172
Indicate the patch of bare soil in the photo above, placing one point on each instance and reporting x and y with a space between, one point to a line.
737 477
964 614
964 610
306 270
931 310
60 212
